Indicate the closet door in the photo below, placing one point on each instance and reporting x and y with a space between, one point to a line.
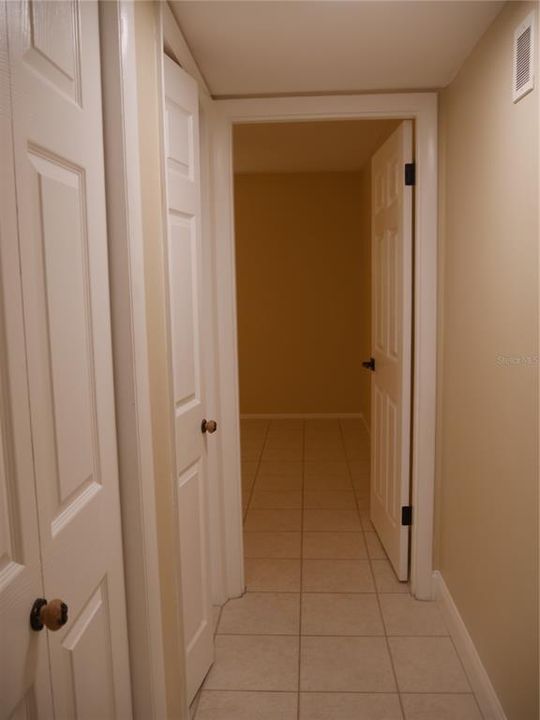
181 131
54 63
24 663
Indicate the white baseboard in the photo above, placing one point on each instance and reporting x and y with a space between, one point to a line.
303 416
490 704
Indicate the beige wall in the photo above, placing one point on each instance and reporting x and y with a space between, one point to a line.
303 282
151 193
488 424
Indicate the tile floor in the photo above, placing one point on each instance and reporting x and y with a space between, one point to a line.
324 631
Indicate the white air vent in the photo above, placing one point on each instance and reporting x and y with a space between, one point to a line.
524 41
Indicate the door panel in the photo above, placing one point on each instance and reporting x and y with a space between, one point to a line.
391 344
87 644
185 288
58 150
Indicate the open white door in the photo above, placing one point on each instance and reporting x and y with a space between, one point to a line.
391 344
57 391
181 117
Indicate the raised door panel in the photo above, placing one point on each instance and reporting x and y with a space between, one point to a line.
185 289
53 44
68 377
88 674
59 172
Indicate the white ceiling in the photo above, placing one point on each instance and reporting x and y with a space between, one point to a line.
333 146
259 47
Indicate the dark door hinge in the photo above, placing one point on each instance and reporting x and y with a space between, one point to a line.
410 173
406 515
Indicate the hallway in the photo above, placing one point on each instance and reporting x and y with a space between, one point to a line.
324 631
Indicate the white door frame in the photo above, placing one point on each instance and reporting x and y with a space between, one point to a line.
130 354
422 108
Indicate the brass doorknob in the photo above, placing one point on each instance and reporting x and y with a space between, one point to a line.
208 426
52 615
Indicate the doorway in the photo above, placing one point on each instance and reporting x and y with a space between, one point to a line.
305 194
315 627
421 108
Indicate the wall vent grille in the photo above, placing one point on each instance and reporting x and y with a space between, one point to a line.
524 51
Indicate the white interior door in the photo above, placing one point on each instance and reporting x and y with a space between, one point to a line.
391 344
54 67
181 116
24 664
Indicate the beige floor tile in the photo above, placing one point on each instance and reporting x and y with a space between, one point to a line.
356 438
247 485
284 424
331 520
282 454
216 612
359 469
277 499
363 500
251 453
385 578
330 484
403 615
261 614
362 487
249 470
272 544
366 521
322 425
346 576
359 664
316 453
271 483
254 662
427 665
334 499
276 468
337 545
276 575
334 469
249 423
216 705
357 453
246 496
353 424
285 441
440 707
328 441
349 706
341 614
374 547
273 520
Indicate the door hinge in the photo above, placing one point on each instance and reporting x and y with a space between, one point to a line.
410 173
406 515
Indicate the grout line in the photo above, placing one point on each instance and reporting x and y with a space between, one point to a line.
341 692
250 500
301 571
330 635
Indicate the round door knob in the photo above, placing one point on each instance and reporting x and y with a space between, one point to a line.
52 615
208 426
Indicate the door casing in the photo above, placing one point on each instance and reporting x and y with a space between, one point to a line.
422 108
